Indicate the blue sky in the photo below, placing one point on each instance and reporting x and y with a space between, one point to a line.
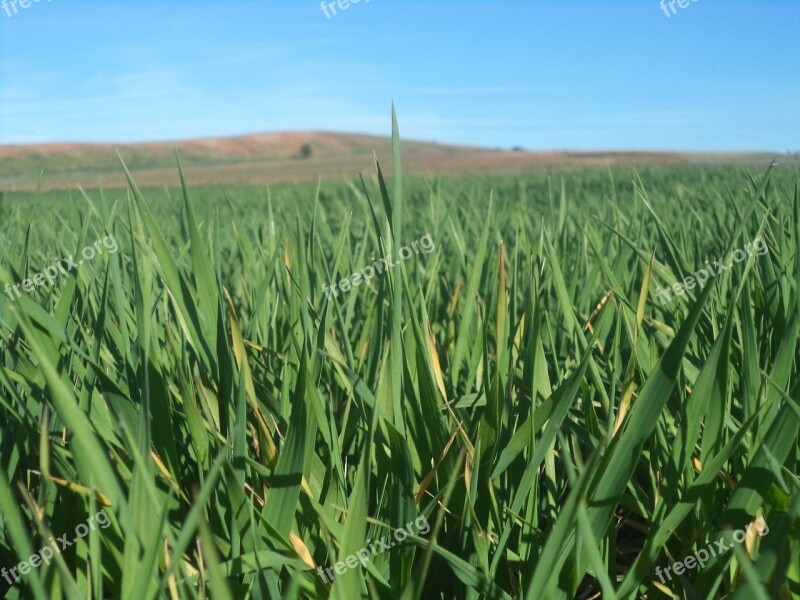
718 75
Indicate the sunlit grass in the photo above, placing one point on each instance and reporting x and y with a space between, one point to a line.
522 387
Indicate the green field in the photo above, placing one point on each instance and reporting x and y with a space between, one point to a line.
520 389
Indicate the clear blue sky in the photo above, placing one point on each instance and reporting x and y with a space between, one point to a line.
718 75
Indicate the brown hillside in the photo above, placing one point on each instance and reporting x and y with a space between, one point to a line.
275 157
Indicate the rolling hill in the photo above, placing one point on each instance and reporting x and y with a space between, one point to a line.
279 157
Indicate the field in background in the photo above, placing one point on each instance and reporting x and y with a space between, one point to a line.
562 431
302 156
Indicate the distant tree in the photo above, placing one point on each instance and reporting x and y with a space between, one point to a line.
517 149
305 151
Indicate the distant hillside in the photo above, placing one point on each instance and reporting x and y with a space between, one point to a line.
289 157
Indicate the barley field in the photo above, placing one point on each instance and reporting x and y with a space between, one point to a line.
517 399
